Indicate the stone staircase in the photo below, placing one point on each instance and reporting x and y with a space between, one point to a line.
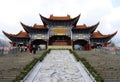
11 65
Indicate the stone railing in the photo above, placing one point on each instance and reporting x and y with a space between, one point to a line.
111 50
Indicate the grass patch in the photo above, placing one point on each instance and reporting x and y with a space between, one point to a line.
91 69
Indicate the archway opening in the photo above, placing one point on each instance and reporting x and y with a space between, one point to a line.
80 44
62 40
38 44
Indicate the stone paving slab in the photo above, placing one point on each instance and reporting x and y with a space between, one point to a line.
59 66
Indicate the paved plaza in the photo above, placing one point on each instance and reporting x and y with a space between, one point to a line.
59 66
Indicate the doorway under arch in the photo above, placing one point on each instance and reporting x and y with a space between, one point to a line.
82 44
35 44
61 40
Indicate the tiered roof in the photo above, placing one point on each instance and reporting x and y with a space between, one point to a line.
73 21
21 34
33 28
84 27
52 19
98 34
63 18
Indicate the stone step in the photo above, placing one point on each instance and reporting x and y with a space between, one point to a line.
6 80
59 47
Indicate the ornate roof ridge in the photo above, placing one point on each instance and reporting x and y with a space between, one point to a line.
81 26
60 17
84 26
21 34
38 26
98 34
43 17
33 26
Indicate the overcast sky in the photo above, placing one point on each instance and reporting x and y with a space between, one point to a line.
107 12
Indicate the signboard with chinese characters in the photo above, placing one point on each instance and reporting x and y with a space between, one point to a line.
59 30
80 36
38 36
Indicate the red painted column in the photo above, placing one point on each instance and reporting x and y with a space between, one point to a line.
29 48
105 44
89 47
13 44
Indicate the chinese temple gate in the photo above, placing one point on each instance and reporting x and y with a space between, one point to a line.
60 31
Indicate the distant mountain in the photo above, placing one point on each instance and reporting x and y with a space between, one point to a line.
4 42
117 44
